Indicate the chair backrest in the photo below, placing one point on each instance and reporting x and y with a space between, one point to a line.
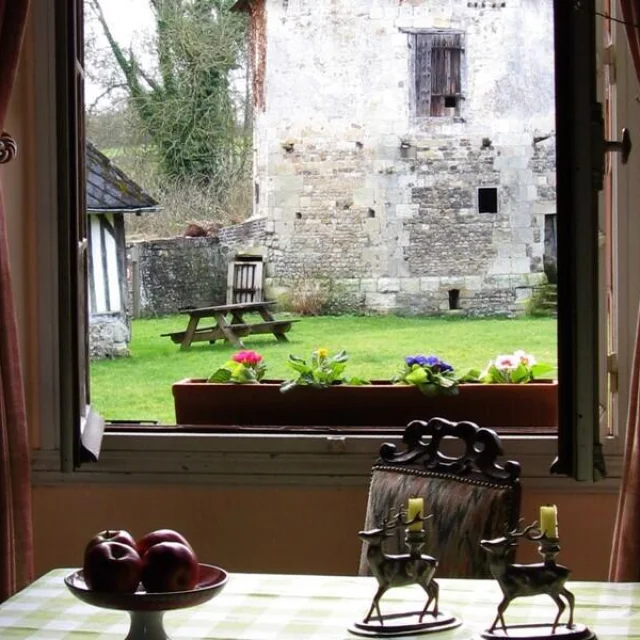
470 496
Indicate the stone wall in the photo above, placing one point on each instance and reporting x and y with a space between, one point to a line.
176 273
354 186
109 336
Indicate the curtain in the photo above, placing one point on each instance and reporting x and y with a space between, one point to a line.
16 542
625 553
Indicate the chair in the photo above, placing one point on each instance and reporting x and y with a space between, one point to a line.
471 496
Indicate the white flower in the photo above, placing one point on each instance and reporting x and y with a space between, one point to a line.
525 358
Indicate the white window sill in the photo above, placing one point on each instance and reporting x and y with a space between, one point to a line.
309 460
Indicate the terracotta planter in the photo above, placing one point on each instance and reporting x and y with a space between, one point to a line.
380 404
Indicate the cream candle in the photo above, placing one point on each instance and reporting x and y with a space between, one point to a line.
416 507
549 520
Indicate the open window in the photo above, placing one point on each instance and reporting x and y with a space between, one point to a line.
439 92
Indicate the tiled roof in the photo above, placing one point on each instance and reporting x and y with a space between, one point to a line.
109 189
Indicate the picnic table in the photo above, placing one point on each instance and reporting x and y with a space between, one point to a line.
230 324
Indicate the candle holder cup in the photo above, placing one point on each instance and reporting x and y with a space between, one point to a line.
401 570
519 580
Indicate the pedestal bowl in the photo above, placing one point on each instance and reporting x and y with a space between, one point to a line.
147 609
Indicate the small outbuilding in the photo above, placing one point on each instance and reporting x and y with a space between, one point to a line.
110 196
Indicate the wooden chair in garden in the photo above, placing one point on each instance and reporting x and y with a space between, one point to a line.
471 496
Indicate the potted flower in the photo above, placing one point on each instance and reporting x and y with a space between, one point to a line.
323 370
504 394
431 375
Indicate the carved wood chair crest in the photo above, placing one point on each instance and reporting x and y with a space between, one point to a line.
470 493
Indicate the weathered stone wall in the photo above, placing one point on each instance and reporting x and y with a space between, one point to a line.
244 236
177 272
109 336
353 185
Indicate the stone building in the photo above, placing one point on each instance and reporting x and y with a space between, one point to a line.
404 149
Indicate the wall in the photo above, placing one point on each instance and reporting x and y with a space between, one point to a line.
175 273
280 530
355 186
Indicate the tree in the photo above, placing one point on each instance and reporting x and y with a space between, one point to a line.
184 99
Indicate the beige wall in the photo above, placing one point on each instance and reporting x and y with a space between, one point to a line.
242 528
276 529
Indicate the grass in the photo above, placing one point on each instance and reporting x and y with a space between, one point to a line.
139 387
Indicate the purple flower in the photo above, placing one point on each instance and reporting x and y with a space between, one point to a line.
433 362
421 360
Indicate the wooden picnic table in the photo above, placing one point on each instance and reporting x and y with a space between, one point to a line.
230 324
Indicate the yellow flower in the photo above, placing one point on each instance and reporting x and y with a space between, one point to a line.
323 353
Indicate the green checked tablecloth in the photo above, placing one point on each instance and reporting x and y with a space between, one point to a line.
283 607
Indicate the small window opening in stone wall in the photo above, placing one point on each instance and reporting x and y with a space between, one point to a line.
372 213
298 215
256 190
487 200
454 299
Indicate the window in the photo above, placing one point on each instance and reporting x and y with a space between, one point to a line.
438 72
487 200
74 432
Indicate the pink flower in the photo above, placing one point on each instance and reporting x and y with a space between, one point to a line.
247 358
507 362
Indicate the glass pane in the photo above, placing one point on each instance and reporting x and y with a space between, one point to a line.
383 231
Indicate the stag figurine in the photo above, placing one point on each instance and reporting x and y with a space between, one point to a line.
517 580
402 569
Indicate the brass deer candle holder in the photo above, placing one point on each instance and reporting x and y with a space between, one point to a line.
401 570
519 580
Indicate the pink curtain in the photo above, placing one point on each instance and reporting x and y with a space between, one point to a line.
625 553
16 543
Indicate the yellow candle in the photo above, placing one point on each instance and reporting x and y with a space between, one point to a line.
416 507
549 520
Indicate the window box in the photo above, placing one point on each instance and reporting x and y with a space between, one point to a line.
380 404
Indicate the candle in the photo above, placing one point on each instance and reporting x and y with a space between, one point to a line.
416 507
549 520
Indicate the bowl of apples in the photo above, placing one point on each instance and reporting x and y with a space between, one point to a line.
146 577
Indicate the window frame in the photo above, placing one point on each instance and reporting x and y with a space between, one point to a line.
335 459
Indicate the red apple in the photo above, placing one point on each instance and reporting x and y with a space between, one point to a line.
113 567
160 535
169 566
112 535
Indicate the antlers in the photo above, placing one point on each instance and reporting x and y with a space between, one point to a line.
537 535
397 518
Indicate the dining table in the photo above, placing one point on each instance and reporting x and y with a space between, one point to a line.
260 606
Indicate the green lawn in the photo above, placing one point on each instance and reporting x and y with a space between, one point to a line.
139 387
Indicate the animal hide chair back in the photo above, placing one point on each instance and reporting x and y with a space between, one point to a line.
470 497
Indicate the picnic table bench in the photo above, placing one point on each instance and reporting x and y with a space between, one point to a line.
230 324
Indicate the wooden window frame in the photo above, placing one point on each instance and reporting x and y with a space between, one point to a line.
195 457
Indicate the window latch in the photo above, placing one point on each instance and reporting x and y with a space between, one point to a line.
602 146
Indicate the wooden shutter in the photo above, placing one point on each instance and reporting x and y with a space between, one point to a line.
423 43
438 73
446 54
